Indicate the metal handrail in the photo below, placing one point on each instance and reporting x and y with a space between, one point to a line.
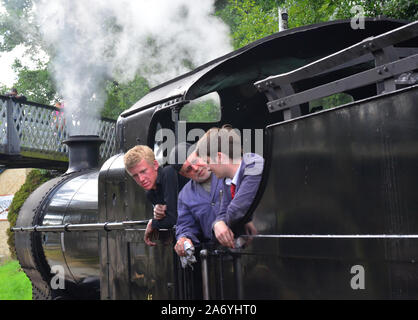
106 226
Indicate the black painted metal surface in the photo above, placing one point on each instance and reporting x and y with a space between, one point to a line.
73 202
128 268
28 246
347 171
71 198
83 152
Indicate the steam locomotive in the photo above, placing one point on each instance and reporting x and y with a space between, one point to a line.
336 211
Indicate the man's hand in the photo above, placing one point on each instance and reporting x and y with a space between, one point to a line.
179 247
224 235
159 211
150 234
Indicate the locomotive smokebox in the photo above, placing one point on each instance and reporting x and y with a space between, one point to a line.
71 198
83 152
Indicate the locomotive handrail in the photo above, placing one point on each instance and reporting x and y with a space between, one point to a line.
205 274
237 269
334 236
106 226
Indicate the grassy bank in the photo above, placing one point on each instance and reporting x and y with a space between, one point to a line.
14 284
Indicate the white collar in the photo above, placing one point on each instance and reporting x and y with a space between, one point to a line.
234 180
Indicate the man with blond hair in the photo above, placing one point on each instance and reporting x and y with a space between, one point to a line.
221 149
161 185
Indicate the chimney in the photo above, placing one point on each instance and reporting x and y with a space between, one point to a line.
83 152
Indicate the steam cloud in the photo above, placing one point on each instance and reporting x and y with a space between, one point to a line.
97 40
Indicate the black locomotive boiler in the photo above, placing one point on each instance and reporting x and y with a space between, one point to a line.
336 213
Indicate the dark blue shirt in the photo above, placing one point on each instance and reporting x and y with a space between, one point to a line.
169 183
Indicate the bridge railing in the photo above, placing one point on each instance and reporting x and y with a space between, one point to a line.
36 131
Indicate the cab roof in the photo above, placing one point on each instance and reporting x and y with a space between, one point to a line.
278 53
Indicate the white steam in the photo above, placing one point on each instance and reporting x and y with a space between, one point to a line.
97 40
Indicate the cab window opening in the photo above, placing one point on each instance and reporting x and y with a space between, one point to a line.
329 102
203 109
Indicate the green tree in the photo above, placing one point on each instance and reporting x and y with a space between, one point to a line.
304 12
249 20
402 9
3 89
203 111
331 101
122 96
397 9
37 85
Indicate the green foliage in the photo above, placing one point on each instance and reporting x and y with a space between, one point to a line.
14 284
204 111
3 89
122 96
249 20
34 179
37 85
397 9
331 101
304 12
402 9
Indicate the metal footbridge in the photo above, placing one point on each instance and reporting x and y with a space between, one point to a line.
31 135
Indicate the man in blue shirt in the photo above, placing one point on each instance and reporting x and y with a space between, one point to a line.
221 149
199 201
198 204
